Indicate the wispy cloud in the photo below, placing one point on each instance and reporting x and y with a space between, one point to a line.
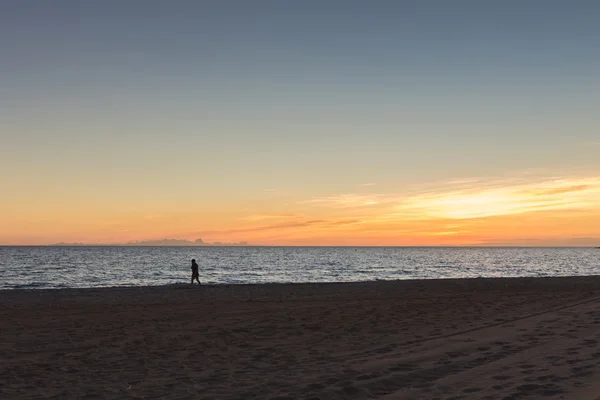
283 226
468 181
262 217
475 198
349 200
451 212
557 190
498 199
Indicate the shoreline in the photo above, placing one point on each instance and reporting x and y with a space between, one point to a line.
408 282
403 339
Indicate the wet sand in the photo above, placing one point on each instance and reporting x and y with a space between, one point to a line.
434 339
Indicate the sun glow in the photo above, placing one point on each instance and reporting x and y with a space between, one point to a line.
474 206
511 199
459 212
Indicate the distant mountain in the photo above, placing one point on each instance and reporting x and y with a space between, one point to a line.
168 242
159 242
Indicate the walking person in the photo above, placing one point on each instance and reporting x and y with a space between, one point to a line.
195 274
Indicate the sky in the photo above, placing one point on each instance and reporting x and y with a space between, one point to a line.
300 122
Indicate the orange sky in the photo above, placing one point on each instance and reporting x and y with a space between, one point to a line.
523 209
457 124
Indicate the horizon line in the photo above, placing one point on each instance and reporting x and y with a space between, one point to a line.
270 245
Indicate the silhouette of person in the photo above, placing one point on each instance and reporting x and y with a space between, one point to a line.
195 274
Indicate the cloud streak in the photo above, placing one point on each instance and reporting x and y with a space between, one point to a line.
464 211
475 198
350 201
561 194
284 226
262 217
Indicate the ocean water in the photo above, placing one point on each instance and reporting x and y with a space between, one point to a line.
70 267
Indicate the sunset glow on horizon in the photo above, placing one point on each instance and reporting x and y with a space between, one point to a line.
346 123
559 211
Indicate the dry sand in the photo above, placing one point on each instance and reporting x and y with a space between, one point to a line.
438 339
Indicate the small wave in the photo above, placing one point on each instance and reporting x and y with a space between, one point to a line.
34 285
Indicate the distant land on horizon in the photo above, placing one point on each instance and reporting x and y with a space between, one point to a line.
159 242
201 243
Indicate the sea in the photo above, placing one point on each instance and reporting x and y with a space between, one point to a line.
55 267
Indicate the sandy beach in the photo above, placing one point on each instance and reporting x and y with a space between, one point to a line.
434 339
